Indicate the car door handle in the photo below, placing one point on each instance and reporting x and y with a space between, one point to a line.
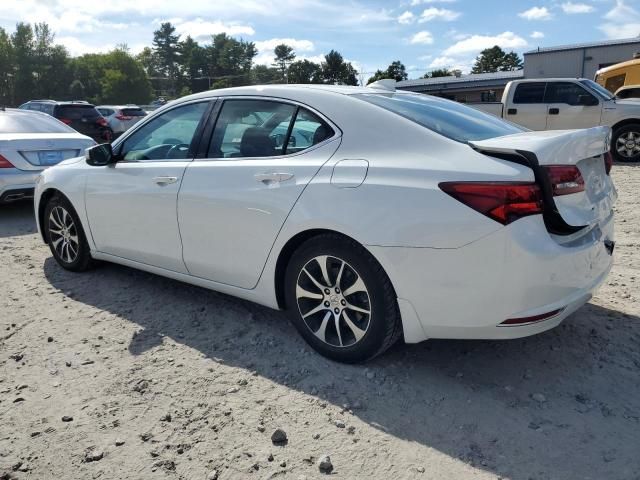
512 111
554 111
272 177
162 181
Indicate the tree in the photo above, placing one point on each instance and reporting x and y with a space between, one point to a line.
229 61
338 72
123 80
284 56
23 48
166 48
396 71
192 66
262 74
304 71
495 59
7 70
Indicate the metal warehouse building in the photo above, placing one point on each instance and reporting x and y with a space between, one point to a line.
580 60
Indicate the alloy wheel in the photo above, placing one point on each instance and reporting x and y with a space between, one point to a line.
628 144
333 301
63 234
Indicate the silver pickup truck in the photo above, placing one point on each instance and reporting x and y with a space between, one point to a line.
570 103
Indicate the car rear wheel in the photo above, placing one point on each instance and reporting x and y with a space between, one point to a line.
65 235
625 144
341 300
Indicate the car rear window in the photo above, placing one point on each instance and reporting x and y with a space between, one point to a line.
450 119
133 112
31 123
76 112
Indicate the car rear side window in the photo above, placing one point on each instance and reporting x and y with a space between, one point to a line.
564 92
31 123
450 119
133 112
76 112
530 92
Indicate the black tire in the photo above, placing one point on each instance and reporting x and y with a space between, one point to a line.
76 260
619 135
382 326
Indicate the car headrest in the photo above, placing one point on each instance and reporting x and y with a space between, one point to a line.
256 142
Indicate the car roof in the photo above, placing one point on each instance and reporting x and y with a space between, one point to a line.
286 90
63 102
20 111
119 106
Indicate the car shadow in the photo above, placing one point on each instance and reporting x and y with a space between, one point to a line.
535 408
17 219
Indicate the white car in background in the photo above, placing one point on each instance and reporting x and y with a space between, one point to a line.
29 143
121 117
392 214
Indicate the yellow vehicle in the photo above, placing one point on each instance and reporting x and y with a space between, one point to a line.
622 79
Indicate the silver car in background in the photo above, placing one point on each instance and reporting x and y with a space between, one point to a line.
121 117
29 143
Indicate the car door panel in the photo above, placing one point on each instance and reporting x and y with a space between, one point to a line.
564 110
231 210
132 212
132 204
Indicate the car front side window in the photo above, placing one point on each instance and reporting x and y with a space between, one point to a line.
166 137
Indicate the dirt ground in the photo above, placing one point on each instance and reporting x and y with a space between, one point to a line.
119 374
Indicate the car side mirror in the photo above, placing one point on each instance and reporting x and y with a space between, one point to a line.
100 155
587 100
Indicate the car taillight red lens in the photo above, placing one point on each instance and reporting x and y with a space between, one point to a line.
101 121
502 202
4 163
565 179
532 319
608 162
65 120
123 117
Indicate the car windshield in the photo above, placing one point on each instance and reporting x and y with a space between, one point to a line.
31 123
599 89
450 119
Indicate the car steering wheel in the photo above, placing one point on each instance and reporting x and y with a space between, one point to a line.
178 151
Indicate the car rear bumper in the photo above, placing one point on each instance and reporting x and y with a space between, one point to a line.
515 273
16 184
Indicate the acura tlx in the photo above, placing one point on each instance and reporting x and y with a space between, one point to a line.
368 214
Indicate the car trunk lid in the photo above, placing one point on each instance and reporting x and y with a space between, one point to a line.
551 152
36 151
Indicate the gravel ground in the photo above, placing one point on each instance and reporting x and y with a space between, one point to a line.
118 374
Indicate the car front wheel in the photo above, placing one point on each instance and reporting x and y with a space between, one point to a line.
65 235
341 300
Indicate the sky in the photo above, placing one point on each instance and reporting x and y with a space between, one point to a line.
423 34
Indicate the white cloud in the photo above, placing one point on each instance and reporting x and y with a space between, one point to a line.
201 29
418 2
622 21
476 43
442 62
433 13
422 38
537 34
265 50
536 13
406 18
570 7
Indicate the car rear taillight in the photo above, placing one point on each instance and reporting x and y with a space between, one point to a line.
500 201
4 163
65 121
608 162
101 121
565 179
122 117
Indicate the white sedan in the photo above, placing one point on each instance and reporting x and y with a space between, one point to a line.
29 143
368 214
